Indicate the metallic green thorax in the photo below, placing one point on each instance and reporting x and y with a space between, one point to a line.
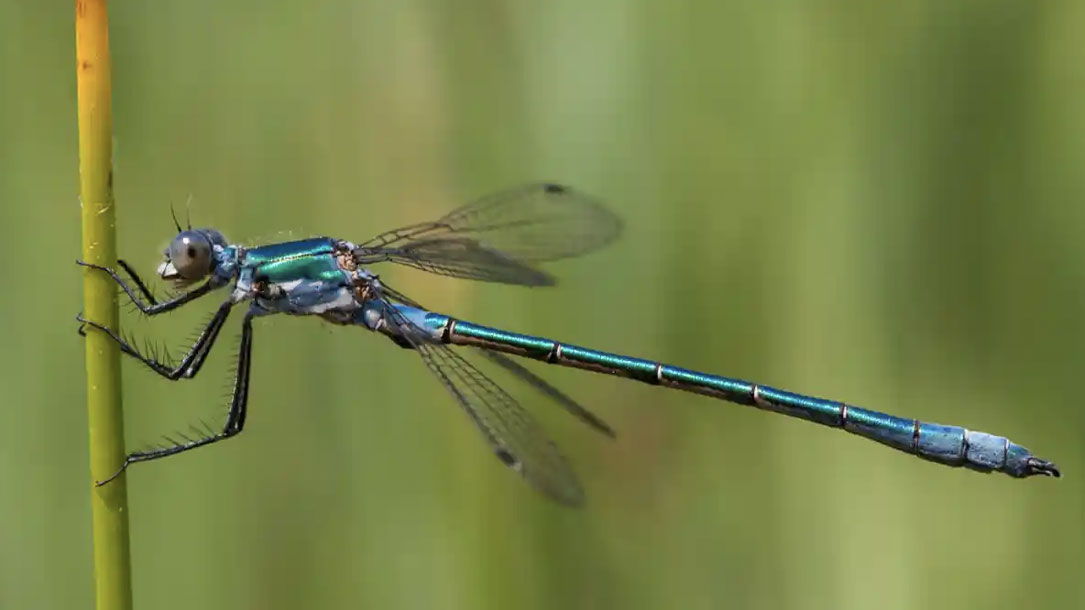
309 259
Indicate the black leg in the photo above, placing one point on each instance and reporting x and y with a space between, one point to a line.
139 282
153 307
235 421
194 358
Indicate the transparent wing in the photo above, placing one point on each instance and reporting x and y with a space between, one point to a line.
460 257
497 238
524 374
561 398
515 436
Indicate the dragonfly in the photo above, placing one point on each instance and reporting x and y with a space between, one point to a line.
500 238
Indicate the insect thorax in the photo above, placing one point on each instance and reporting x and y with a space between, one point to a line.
308 277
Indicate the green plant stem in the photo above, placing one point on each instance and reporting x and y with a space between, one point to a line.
109 504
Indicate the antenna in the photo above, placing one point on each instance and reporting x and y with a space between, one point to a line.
173 215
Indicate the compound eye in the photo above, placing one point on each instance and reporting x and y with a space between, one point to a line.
190 255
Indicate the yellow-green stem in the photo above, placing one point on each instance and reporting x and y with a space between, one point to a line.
109 504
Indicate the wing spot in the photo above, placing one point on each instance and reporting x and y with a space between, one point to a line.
554 188
507 458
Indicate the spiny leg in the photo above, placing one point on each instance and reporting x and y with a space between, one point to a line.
148 296
154 307
194 358
138 281
235 421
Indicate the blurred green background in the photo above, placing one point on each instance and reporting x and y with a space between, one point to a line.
880 203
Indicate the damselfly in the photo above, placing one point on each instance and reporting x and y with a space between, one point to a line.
497 239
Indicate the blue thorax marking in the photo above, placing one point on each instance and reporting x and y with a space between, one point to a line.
376 314
225 264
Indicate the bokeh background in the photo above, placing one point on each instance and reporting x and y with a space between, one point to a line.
876 202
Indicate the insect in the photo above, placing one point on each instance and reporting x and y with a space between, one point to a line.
499 238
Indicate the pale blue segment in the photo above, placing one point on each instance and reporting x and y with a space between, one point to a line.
941 443
417 317
986 450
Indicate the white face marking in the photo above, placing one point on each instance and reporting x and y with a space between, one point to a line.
167 271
